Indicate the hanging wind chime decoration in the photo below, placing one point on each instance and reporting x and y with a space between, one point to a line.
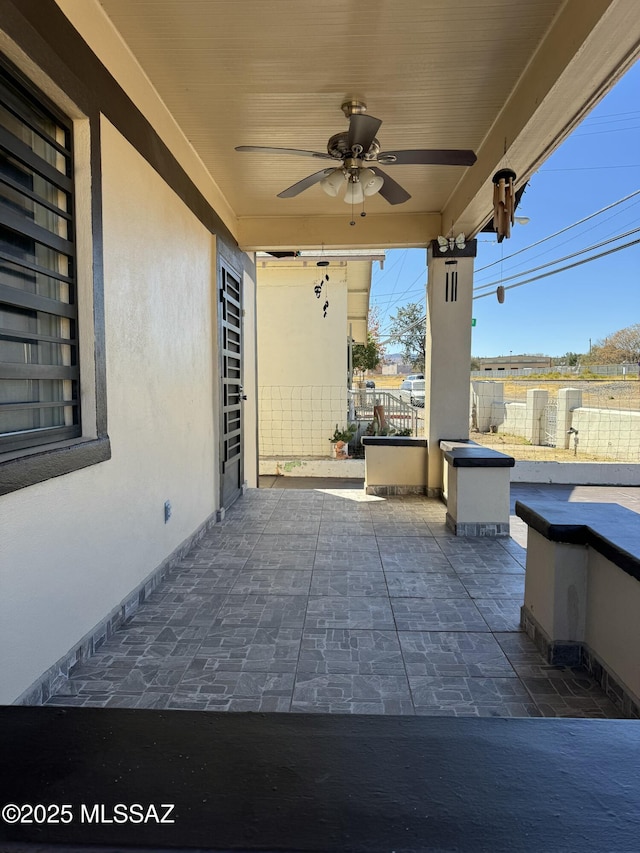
504 201
318 286
451 292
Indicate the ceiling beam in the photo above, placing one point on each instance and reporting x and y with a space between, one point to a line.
376 231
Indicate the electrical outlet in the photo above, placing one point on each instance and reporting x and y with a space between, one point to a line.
167 511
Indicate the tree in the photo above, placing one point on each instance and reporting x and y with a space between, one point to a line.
374 327
366 356
475 364
570 359
409 329
621 346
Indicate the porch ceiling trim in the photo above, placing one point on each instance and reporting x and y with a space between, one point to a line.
589 46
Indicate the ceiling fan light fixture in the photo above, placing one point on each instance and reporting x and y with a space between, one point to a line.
333 183
370 182
354 193
355 149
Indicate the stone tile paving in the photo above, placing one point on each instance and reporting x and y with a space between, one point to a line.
326 600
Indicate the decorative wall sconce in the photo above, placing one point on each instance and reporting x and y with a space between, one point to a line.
504 196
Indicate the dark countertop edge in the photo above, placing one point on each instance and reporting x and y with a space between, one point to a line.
585 532
393 441
476 456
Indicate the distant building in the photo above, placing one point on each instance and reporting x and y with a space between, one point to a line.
516 362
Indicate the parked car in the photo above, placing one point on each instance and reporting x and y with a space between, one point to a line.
369 383
413 376
412 391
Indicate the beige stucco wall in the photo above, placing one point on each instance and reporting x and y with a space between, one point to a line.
556 587
73 547
478 495
613 626
302 359
395 466
578 595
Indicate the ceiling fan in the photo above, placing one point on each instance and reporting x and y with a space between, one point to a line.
360 156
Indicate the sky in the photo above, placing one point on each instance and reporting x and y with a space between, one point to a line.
595 166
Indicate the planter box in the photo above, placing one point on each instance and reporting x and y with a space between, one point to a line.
395 465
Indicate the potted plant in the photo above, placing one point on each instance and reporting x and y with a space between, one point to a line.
340 441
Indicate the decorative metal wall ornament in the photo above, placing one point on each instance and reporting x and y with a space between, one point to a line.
504 201
448 244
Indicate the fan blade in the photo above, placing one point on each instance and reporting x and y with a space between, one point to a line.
304 184
390 190
262 149
429 157
362 131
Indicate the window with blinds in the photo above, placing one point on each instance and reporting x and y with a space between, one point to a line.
39 371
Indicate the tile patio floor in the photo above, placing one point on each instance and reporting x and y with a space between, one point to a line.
329 600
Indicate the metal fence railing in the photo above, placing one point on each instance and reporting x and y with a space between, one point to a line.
398 414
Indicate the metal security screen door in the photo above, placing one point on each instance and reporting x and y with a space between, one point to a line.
231 353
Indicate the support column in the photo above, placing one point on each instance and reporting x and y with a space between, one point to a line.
448 352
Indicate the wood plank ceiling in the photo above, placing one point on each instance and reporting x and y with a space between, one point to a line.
437 72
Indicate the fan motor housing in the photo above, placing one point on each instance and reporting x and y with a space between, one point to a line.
338 147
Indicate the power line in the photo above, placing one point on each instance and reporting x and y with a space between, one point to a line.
568 267
571 238
610 115
419 288
559 260
385 310
397 335
611 130
591 168
562 231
